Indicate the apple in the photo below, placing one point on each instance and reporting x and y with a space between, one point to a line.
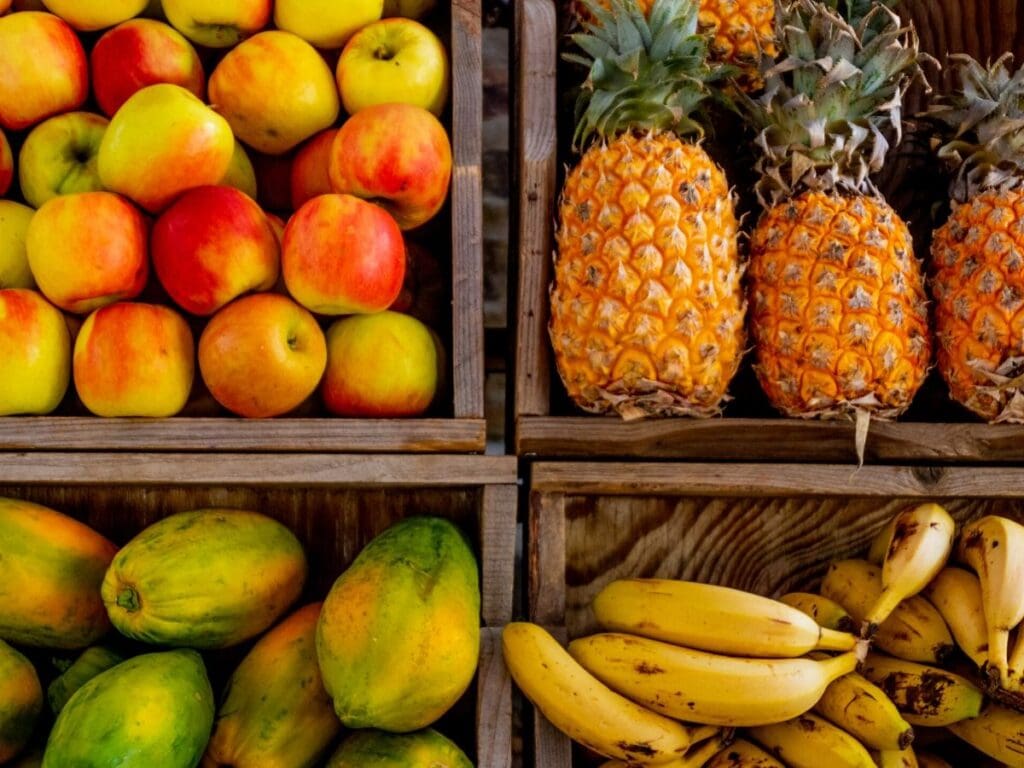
162 141
138 53
59 157
394 60
326 23
5 6
275 90
309 168
43 66
262 355
134 359
241 175
219 24
380 366
277 224
14 269
35 353
211 246
90 15
342 255
410 9
6 164
87 250
397 155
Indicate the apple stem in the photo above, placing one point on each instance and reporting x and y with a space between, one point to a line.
383 54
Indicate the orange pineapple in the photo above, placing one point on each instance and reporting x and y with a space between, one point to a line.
646 307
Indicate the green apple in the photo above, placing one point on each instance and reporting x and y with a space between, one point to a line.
393 60
241 175
326 23
219 24
59 157
410 9
90 15
14 270
35 353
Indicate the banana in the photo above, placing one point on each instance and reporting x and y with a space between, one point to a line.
926 760
897 759
924 695
703 687
583 708
956 594
810 741
998 732
915 629
994 547
919 546
1015 664
713 618
697 757
744 754
880 544
828 613
862 709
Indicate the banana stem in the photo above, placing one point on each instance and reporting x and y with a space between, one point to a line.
831 640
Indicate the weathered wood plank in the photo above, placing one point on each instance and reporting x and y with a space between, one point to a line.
498 542
494 704
546 559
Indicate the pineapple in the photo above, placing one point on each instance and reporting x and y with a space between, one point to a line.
647 306
838 308
978 254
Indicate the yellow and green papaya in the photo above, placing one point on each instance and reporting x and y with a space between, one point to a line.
276 713
210 578
151 710
50 576
21 701
90 663
399 637
422 749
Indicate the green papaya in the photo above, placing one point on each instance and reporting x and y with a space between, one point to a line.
90 663
399 635
151 710
210 578
21 701
276 713
376 749
50 576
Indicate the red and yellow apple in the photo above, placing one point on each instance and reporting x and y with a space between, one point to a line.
218 24
211 246
275 90
342 255
393 60
59 157
5 6
309 168
14 269
262 355
134 359
397 155
138 53
410 9
6 164
382 365
277 224
90 15
162 141
241 175
326 23
43 69
35 353
88 250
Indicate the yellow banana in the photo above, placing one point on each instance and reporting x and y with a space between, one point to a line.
583 708
914 630
926 760
697 757
880 544
924 695
703 687
810 741
897 759
862 709
919 546
828 613
1015 664
712 618
744 754
956 594
998 732
994 547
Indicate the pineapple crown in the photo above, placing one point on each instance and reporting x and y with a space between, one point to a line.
981 123
829 98
644 73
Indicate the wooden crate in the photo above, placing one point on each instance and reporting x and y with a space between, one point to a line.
766 528
335 505
455 424
547 425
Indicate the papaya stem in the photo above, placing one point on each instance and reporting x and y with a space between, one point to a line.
128 599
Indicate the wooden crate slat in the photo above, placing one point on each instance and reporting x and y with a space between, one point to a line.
498 542
494 704
546 558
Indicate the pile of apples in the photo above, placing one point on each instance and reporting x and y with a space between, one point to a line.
144 161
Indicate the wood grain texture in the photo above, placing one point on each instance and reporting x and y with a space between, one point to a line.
498 547
494 704
546 558
552 748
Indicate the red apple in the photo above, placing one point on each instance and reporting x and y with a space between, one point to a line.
342 255
211 246
43 70
309 168
138 53
6 164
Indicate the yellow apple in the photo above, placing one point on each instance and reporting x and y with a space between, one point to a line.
241 175
410 9
89 15
394 60
275 90
326 23
219 24
35 353
59 157
14 221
